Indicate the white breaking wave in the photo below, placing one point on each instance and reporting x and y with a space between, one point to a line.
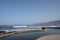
18 26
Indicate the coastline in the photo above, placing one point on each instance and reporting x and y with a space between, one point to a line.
19 32
32 35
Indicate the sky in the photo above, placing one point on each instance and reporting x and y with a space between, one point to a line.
28 11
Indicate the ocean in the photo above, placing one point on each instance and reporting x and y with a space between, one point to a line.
11 28
32 35
28 36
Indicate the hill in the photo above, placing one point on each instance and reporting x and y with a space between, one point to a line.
48 23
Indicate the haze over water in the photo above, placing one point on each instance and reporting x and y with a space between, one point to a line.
16 12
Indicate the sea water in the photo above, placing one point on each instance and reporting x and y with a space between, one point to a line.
32 35
11 28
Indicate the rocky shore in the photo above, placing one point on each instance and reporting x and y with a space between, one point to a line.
18 32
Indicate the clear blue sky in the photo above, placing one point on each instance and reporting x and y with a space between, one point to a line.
28 11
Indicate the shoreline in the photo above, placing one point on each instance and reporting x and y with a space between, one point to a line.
19 32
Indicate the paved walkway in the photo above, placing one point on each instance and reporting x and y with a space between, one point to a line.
50 37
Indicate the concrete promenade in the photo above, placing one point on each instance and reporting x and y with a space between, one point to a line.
50 37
